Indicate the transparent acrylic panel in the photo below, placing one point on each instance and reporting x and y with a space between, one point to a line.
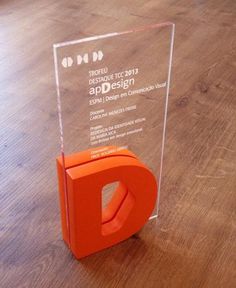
113 91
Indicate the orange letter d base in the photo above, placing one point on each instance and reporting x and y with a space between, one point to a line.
86 227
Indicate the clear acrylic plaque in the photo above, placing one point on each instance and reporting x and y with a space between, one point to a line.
112 90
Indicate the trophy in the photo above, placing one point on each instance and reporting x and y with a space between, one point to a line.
112 97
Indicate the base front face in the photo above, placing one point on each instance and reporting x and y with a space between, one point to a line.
92 228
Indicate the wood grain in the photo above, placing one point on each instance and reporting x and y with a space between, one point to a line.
194 242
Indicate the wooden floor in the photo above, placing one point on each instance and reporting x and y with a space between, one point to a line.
194 243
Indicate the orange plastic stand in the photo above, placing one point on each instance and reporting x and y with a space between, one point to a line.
86 227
